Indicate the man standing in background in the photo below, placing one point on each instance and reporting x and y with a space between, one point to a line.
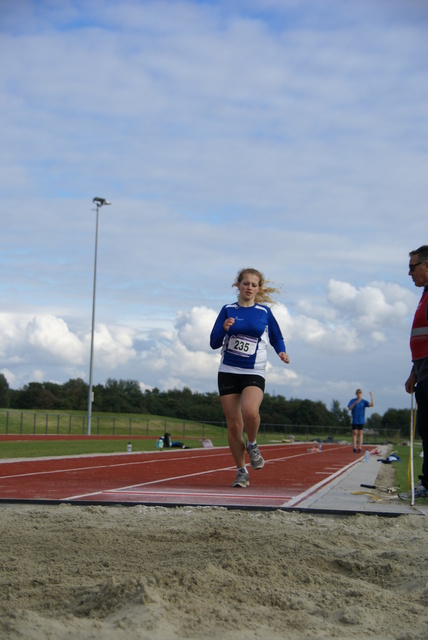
357 406
418 379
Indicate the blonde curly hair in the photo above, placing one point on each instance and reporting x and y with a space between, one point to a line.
265 292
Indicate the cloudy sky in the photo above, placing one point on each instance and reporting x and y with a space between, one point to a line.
288 135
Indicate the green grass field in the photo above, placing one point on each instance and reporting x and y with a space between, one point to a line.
402 467
41 448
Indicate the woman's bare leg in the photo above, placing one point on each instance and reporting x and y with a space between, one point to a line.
235 427
242 410
251 399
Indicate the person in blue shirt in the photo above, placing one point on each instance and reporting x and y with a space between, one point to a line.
243 330
357 406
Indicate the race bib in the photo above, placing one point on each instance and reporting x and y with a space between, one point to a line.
244 346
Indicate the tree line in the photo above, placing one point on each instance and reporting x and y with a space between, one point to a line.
126 396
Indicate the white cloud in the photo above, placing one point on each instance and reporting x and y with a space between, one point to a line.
325 332
114 346
341 294
374 306
10 377
37 375
52 335
194 327
188 369
47 339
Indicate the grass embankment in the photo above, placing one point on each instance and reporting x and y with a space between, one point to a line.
109 433
40 422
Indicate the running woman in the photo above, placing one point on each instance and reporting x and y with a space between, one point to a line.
242 330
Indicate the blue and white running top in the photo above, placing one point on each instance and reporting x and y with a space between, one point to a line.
244 346
358 412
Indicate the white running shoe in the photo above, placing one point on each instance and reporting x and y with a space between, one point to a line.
242 479
256 459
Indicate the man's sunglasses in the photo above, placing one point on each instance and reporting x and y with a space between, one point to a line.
412 267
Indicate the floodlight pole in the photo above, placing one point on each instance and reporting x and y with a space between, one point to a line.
99 202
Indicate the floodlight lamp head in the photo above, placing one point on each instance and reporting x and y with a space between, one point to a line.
100 201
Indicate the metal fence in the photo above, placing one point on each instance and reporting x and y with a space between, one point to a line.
40 423
305 432
14 422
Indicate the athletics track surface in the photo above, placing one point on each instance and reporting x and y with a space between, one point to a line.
177 477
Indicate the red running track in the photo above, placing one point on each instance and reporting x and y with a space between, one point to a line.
177 477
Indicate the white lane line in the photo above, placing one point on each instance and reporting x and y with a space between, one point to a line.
151 482
128 463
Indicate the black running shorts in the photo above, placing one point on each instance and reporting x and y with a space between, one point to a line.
229 383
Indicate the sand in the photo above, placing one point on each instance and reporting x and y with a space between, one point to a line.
153 573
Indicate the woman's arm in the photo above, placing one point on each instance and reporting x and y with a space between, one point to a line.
218 331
